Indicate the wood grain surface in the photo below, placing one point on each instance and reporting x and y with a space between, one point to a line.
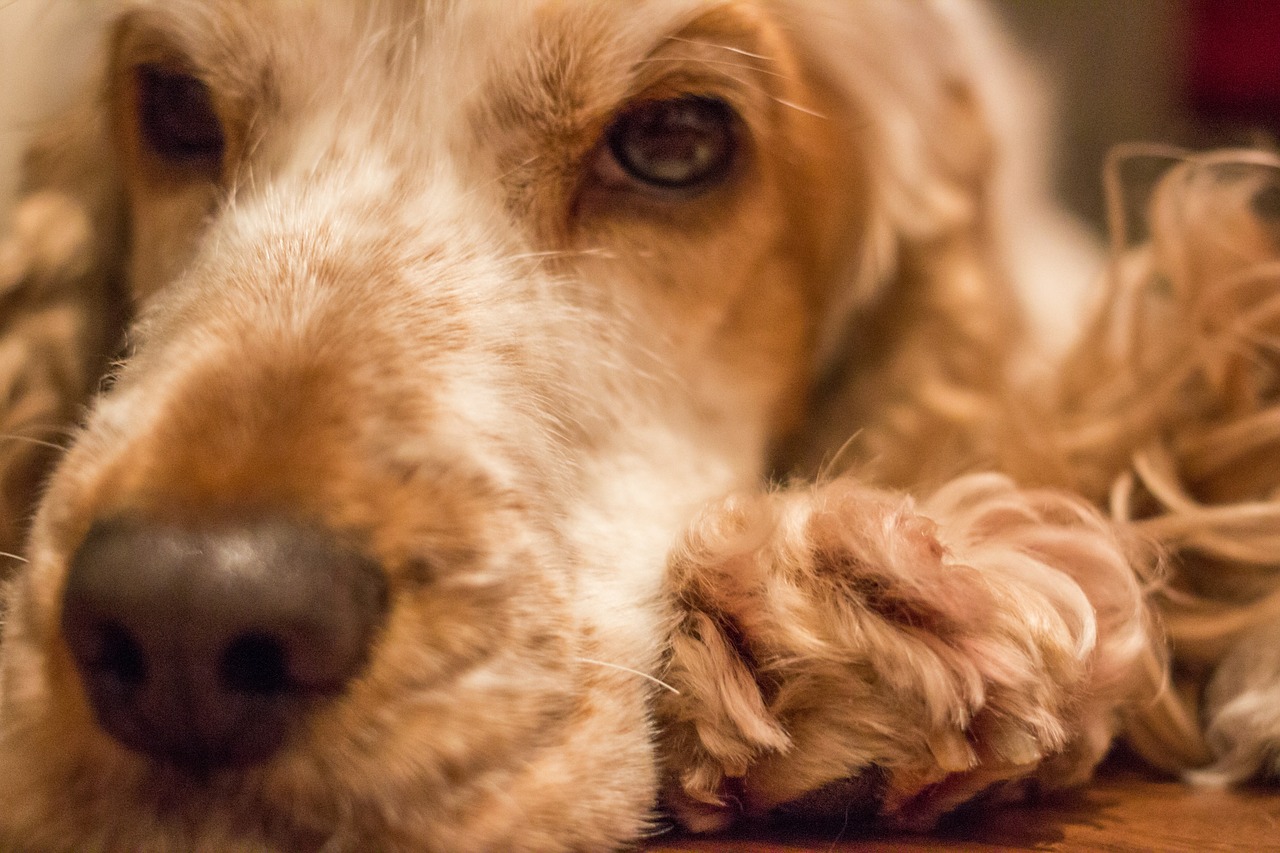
1125 809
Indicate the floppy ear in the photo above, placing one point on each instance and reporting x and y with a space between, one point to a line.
918 331
62 300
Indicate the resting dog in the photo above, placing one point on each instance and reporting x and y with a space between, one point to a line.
423 506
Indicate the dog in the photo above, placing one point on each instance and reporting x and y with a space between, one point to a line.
465 387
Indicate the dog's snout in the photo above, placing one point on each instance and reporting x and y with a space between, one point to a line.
201 646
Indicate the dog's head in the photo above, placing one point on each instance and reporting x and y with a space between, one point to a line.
449 314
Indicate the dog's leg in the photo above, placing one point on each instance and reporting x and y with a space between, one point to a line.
1168 414
986 635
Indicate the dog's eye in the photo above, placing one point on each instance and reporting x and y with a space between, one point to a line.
683 143
177 119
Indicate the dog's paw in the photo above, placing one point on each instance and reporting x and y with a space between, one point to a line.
932 651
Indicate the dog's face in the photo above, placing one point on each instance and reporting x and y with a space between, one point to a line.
450 315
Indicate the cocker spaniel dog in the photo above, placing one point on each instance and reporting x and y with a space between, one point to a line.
471 425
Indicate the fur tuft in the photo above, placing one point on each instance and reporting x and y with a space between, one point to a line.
1006 624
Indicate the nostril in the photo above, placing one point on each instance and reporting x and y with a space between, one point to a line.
256 664
118 656
108 651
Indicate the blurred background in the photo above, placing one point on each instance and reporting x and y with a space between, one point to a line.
1192 72
1199 73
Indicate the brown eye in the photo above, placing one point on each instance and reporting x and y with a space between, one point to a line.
684 143
177 119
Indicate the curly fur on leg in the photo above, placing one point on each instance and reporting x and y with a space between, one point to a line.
986 635
1168 412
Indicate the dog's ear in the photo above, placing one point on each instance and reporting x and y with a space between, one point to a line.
916 332
62 301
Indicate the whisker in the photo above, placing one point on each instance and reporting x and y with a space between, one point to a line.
17 557
644 675
497 180
524 164
564 253
719 46
793 105
840 462
50 429
844 827
41 442
712 63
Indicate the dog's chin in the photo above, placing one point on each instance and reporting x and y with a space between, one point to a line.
430 749
296 805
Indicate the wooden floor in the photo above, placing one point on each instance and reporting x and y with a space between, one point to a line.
1125 810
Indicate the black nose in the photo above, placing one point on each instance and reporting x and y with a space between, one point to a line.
203 646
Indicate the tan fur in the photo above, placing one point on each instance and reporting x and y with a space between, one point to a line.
813 623
415 305
1167 410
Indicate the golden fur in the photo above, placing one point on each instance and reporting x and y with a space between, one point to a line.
414 304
